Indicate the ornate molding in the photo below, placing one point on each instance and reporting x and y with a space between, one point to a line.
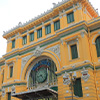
38 51
66 79
3 92
85 75
13 90
24 61
55 49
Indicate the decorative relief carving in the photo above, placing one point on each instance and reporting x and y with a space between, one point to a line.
13 90
85 75
66 79
37 52
24 61
55 49
3 92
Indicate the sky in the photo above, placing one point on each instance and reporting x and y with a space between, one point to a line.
14 11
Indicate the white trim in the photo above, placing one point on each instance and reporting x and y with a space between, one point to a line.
98 34
71 42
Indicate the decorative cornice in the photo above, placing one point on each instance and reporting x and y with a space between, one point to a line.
34 19
17 51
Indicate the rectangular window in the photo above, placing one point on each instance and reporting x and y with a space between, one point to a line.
74 51
11 71
13 44
48 29
31 36
24 40
70 17
3 76
78 88
57 25
39 33
9 96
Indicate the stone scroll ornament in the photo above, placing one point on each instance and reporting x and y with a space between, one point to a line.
66 79
3 92
85 75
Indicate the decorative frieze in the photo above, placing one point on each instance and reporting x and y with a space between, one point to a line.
55 49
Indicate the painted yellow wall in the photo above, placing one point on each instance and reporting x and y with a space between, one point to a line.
86 52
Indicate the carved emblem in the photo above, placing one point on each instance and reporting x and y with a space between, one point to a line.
85 75
38 51
3 92
66 79
13 89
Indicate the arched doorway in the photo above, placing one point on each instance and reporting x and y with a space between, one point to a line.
41 75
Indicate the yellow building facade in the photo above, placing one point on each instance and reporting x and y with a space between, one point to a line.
55 56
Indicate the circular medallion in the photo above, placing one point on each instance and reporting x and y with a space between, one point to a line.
41 75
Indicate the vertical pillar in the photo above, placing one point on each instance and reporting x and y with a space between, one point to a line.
19 41
52 27
65 18
61 20
8 45
79 14
28 38
43 30
35 34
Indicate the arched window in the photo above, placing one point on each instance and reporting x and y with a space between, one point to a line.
98 46
43 73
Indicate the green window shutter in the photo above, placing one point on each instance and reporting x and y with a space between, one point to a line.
78 88
98 46
9 96
74 51
11 71
24 40
39 33
31 36
13 44
70 17
56 25
48 29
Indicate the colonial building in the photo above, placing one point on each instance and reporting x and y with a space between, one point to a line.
55 56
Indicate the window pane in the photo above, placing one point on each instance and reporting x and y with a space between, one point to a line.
13 44
74 51
56 25
70 17
78 88
9 96
39 33
11 71
32 36
98 46
48 29
24 40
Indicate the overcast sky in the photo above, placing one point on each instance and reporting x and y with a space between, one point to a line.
14 11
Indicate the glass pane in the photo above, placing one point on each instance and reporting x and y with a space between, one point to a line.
13 44
74 51
70 17
98 46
